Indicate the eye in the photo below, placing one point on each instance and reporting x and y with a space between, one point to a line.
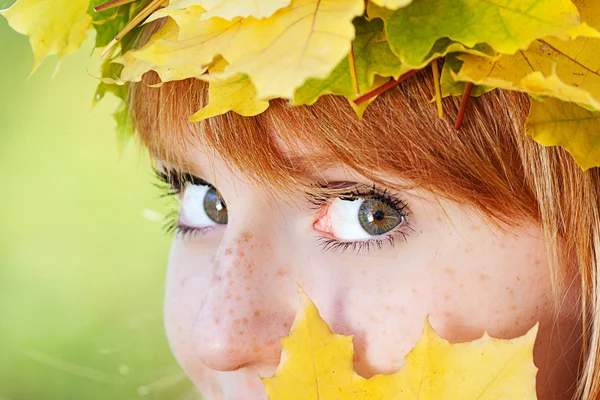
360 218
201 206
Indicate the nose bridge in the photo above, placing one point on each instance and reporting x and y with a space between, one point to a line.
246 309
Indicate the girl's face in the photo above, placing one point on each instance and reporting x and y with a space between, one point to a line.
374 262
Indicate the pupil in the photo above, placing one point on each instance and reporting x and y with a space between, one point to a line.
378 215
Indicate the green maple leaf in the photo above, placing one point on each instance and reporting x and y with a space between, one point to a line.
505 25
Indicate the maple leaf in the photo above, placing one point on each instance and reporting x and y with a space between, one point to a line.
54 27
505 25
553 122
235 94
372 56
135 63
452 87
318 364
306 39
567 70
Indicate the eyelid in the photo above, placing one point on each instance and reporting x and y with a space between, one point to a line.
177 180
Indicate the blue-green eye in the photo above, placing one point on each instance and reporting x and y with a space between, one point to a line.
201 206
363 218
377 217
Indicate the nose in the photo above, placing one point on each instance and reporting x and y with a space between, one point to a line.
249 304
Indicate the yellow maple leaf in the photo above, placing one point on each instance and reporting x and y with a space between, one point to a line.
135 65
565 69
235 94
553 122
306 39
54 27
318 364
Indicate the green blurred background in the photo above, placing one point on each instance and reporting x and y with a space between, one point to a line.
82 252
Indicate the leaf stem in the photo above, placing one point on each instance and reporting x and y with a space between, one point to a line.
438 91
353 74
384 87
463 105
150 8
112 4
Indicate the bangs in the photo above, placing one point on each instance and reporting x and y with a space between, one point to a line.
399 137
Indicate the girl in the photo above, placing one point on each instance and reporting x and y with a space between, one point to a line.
382 221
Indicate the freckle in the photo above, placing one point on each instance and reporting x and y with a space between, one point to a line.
414 290
468 249
246 236
537 262
245 320
241 333
230 283
271 342
497 312
247 288
250 270
483 277
236 322
462 286
238 298
280 272
229 251
228 274
514 308
449 271
231 311
217 320
447 314
518 278
286 325
390 291
447 296
256 313
388 308
475 227
256 349
241 254
363 272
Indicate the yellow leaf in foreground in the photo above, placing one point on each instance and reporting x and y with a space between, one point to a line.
553 122
135 64
235 94
318 364
305 40
54 27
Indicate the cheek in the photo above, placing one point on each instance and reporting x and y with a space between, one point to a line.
502 286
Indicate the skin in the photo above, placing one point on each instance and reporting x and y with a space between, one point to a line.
231 292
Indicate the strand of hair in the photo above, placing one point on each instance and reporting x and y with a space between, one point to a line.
463 105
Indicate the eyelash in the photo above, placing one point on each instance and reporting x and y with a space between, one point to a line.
173 182
363 192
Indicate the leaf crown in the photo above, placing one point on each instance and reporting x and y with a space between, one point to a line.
250 52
